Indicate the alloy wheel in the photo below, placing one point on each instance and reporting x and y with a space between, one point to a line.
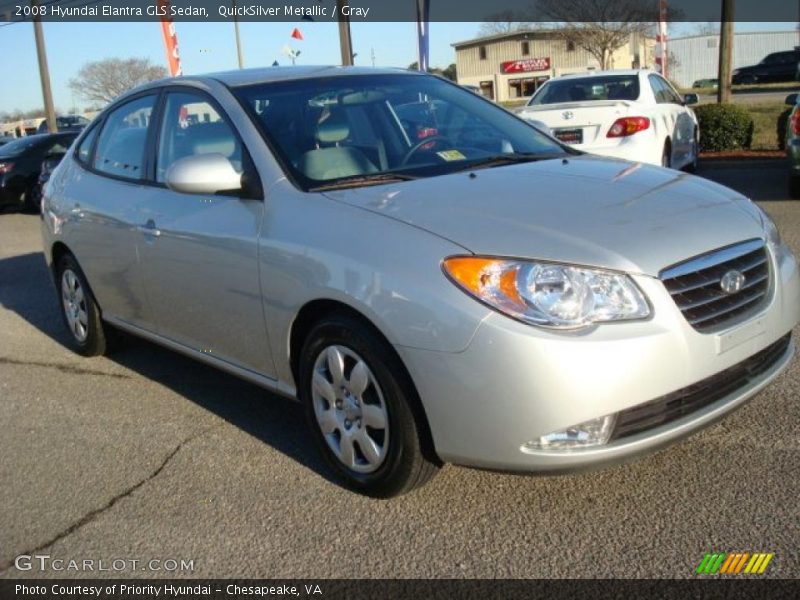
74 302
350 409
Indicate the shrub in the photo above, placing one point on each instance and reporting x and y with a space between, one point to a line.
724 127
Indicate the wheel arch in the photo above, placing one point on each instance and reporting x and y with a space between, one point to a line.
316 310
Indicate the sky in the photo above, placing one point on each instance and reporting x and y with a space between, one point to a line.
207 47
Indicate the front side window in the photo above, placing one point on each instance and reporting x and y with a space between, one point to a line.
191 127
367 125
584 89
120 149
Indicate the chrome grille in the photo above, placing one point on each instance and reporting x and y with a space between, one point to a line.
696 285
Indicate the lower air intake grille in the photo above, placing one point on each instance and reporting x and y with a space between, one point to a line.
690 399
715 289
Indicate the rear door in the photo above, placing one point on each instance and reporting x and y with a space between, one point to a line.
674 119
101 205
199 253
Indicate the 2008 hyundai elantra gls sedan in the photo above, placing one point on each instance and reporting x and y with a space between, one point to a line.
432 277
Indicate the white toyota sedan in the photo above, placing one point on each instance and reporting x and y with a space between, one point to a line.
636 115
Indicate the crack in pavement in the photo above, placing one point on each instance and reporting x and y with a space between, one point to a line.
5 565
64 368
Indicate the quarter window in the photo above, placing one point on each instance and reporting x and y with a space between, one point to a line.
85 148
120 148
192 127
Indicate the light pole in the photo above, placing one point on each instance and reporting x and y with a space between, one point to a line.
345 43
725 51
238 39
44 71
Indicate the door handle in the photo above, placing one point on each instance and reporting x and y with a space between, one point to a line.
149 228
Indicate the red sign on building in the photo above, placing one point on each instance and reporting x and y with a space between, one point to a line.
526 66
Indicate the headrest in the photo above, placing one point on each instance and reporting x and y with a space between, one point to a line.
333 127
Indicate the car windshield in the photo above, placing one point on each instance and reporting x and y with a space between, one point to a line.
72 121
19 146
586 89
362 129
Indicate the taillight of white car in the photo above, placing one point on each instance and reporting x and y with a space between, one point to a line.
627 126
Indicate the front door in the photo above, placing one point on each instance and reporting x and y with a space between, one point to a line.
199 253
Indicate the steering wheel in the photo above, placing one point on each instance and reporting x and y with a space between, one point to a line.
434 139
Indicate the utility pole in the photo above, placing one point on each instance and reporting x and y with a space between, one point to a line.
345 43
238 39
725 51
44 72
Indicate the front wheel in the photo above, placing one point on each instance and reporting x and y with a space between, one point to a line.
363 410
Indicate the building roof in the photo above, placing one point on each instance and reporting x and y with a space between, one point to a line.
522 33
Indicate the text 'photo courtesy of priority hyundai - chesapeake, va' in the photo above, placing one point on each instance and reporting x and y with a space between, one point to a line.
395 299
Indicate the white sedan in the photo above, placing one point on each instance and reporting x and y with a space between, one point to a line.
636 115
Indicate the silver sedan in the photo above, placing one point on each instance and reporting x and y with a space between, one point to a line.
432 277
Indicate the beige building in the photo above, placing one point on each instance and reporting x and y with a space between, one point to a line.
513 65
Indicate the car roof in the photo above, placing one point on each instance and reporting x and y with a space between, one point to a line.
241 77
589 74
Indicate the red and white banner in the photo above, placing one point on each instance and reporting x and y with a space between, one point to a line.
170 39
527 65
661 39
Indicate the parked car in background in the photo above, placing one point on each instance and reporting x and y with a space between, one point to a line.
775 67
636 115
66 123
706 83
485 295
21 163
793 144
50 162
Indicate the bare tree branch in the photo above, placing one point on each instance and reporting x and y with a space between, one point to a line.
102 81
600 27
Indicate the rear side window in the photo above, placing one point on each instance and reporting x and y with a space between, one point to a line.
120 148
191 127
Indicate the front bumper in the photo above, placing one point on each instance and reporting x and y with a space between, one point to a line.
515 383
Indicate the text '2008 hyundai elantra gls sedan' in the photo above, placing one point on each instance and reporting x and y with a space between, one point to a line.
433 278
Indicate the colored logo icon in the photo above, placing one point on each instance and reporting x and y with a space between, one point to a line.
734 563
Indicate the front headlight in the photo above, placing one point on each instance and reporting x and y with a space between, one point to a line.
549 294
770 229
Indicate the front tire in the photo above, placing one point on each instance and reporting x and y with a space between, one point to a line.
87 332
363 410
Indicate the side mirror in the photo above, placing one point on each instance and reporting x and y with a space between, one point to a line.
791 99
203 174
689 99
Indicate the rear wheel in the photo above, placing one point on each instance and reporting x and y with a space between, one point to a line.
666 156
794 187
692 166
360 406
30 202
88 334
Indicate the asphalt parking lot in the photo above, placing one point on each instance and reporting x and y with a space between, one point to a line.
149 455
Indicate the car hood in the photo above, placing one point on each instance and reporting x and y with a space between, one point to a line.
584 210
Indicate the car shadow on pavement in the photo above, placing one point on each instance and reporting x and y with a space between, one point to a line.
762 180
26 289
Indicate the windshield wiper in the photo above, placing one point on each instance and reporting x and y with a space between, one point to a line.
362 180
497 160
